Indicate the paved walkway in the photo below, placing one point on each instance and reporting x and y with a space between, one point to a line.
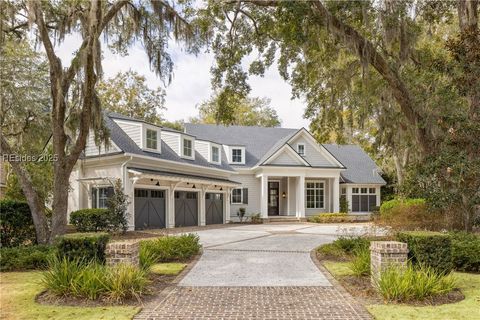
259 272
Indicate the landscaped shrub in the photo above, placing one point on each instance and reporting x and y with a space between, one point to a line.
83 246
330 218
360 265
411 214
16 224
169 248
466 251
90 220
25 257
117 207
410 283
331 251
255 218
344 248
432 249
93 280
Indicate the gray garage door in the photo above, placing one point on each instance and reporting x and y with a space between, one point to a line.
186 209
149 209
214 208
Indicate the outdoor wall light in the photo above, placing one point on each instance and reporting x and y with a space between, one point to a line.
221 189
193 187
284 195
157 184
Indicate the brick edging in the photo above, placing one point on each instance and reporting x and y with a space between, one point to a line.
356 306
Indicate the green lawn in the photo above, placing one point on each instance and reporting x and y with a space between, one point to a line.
17 301
466 309
172 268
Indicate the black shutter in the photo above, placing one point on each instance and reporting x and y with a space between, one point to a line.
355 203
245 196
94 197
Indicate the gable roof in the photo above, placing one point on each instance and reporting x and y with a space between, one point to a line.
258 141
286 150
127 145
360 167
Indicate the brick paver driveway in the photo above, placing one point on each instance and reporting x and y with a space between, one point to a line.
259 272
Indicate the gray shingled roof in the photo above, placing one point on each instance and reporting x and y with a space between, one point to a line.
126 144
360 167
258 141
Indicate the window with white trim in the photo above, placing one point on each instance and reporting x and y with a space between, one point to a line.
315 195
100 197
364 199
237 155
215 154
301 149
187 147
237 196
152 139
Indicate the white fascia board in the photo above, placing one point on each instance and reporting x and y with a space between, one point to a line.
307 172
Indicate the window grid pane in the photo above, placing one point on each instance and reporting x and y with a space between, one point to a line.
187 148
215 154
151 139
237 196
236 155
315 196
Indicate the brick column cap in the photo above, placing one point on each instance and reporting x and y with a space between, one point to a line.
388 247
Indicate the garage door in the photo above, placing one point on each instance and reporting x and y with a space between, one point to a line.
214 208
149 209
186 209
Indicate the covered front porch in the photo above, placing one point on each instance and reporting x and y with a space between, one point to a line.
298 193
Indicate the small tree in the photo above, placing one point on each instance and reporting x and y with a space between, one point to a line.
117 205
343 204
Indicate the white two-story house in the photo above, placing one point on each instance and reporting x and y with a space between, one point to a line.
205 174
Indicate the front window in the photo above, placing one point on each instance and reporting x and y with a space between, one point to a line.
187 148
100 197
237 155
151 139
237 196
301 149
215 154
315 195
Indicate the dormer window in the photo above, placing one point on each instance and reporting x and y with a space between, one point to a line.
187 148
215 154
152 139
237 155
301 149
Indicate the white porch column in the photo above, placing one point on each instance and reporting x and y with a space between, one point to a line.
226 201
300 197
336 194
129 187
171 206
264 196
201 203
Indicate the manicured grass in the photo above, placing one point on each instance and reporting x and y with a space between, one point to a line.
17 299
171 269
465 309
338 269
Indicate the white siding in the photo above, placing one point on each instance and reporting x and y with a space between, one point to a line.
292 200
312 155
172 140
203 148
312 212
253 184
91 149
133 130
285 159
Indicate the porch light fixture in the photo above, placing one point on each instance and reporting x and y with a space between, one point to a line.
157 184
221 189
284 195
193 187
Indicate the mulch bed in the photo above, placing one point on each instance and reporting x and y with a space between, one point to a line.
157 285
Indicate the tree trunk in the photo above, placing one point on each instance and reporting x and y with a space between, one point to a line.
35 203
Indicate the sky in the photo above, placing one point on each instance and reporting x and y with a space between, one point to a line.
191 82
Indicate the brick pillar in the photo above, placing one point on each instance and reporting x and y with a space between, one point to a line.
384 254
122 252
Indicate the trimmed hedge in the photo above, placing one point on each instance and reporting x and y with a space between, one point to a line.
25 258
387 207
466 251
169 248
90 220
16 224
430 249
83 246
330 218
